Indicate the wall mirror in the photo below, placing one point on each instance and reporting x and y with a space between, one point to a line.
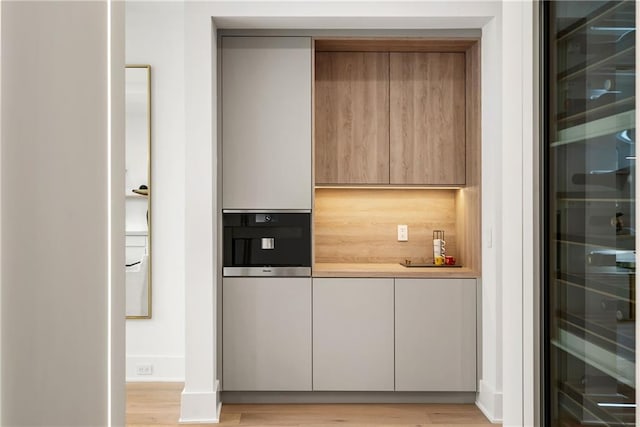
138 191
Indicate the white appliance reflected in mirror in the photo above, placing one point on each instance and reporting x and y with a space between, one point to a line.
138 191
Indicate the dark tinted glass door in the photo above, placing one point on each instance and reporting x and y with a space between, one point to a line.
589 233
267 239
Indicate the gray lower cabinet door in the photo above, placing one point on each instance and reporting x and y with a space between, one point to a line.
435 334
266 122
266 327
353 334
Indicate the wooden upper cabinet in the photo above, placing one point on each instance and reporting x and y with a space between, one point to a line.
352 118
427 118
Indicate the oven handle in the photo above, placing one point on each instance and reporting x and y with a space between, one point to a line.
266 211
266 271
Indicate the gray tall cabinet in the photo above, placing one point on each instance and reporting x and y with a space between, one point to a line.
266 165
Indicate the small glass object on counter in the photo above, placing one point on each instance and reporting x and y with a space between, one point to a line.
439 249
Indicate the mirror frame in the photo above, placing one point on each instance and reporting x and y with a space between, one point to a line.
149 197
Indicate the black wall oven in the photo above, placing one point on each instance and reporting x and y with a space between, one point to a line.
266 243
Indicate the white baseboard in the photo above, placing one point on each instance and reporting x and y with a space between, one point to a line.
201 407
164 368
490 402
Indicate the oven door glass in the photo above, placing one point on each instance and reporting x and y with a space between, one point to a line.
267 239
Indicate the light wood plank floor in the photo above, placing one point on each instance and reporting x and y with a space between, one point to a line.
158 404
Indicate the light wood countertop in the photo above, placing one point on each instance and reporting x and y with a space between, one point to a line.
389 270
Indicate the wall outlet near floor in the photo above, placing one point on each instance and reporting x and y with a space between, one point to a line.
403 233
144 369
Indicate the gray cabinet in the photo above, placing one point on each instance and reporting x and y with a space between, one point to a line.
266 122
435 326
353 334
266 327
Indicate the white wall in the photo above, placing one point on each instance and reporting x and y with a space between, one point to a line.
517 228
200 397
155 36
61 268
490 383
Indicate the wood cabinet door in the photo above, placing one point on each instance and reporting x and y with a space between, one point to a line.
427 118
435 323
352 334
352 118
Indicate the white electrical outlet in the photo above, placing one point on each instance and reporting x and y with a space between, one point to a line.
146 369
403 233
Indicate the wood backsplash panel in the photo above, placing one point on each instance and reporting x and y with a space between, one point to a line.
360 225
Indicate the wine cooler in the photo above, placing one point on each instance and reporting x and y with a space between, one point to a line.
589 232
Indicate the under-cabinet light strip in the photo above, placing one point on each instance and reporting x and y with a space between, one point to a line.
109 218
387 187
